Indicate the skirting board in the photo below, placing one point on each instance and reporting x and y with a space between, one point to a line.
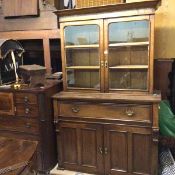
65 172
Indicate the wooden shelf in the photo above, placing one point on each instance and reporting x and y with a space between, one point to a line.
108 8
82 46
129 67
129 44
83 67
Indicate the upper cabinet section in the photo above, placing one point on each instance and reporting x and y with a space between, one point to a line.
16 8
110 51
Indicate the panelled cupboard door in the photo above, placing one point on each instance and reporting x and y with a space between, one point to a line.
80 147
128 150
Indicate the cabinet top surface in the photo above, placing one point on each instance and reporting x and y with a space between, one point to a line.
108 97
109 8
49 84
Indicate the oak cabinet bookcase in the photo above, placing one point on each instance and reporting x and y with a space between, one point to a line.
108 54
107 116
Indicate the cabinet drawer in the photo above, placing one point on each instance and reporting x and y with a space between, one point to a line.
26 110
29 126
107 111
26 98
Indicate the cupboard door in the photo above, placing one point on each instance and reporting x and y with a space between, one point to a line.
80 147
83 54
127 53
128 150
116 150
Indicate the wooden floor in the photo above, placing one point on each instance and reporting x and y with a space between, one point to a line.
65 172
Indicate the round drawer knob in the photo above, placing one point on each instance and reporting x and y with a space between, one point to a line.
129 112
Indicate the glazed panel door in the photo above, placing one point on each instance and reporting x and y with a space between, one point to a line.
127 54
82 52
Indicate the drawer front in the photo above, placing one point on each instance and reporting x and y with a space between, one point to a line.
111 111
26 98
29 126
26 110
7 103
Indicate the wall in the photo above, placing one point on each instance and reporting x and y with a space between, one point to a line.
165 30
46 20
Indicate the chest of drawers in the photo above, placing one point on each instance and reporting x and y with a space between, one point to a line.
29 115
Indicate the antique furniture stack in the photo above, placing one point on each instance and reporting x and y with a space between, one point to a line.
27 114
107 116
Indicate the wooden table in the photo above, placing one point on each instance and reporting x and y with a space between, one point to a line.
16 156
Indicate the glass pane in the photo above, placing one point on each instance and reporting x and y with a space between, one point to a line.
135 55
82 57
125 79
82 35
129 31
83 78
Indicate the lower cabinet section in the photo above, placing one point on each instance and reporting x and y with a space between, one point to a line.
106 148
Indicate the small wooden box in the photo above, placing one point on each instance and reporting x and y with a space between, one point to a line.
93 3
34 75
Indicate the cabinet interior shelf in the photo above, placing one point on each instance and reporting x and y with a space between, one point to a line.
129 67
129 44
82 46
83 67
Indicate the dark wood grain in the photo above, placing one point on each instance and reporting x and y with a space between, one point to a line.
33 120
17 155
161 81
107 97
80 146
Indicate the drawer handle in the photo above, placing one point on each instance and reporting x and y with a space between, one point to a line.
129 112
75 109
28 125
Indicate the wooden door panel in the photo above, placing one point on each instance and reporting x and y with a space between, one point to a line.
88 145
116 144
69 144
141 151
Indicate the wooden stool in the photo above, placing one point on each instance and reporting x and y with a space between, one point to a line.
16 156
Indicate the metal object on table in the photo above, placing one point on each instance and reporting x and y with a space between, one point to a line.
11 56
